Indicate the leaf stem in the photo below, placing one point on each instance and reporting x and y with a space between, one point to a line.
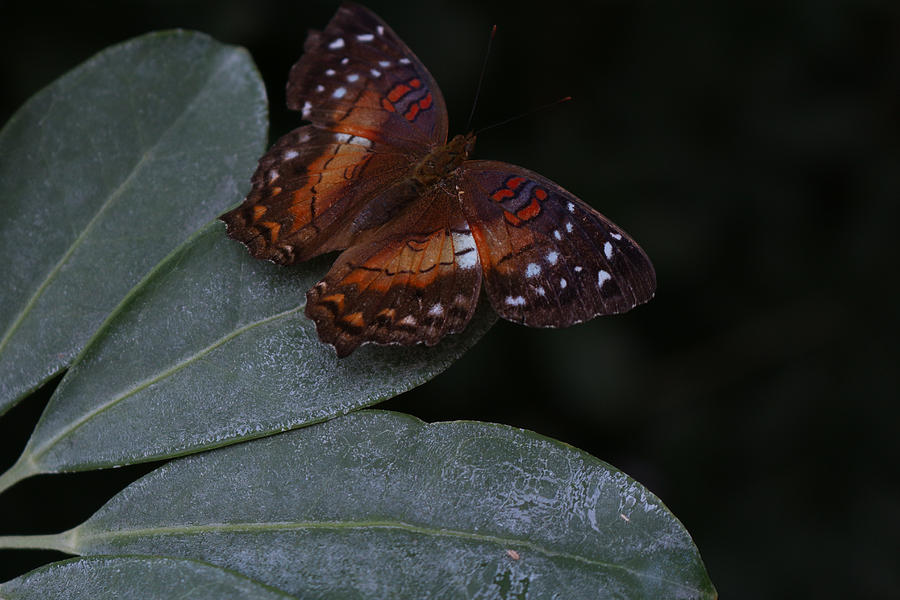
22 469
61 542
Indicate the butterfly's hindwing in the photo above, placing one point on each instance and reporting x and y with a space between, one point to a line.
549 259
358 77
415 282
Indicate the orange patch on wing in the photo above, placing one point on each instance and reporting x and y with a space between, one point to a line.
386 105
513 219
273 228
530 211
355 319
258 211
415 83
541 194
337 299
425 103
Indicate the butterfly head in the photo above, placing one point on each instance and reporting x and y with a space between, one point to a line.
443 160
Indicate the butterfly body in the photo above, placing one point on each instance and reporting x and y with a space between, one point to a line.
422 227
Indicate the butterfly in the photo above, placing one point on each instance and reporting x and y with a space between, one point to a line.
421 227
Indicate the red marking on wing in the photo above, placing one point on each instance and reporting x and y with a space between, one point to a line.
387 105
425 103
530 211
415 83
515 182
412 112
513 219
502 194
398 92
541 194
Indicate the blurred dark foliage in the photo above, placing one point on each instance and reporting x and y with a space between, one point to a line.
751 148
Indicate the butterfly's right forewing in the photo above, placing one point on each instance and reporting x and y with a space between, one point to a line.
549 259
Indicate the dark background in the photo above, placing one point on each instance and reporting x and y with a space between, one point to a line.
751 148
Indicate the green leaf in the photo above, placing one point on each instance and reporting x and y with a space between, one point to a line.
381 505
210 349
145 577
104 172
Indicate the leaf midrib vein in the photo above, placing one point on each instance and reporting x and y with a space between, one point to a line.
147 382
398 525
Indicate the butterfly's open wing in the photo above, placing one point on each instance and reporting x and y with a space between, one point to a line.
375 111
549 259
358 77
307 190
415 280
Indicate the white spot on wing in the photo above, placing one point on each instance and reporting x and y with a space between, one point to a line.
403 61
343 138
552 257
557 234
307 107
380 30
563 283
291 154
273 175
464 241
365 37
352 77
541 291
602 277
375 72
607 250
515 301
532 270
345 60
436 310
384 63
578 269
361 141
408 320
616 236
337 44
569 226
329 72
339 93
571 207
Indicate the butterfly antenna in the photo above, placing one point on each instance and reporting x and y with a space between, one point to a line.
481 77
523 115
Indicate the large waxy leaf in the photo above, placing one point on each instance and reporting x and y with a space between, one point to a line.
144 577
212 348
104 172
381 505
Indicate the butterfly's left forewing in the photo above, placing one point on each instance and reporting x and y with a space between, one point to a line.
549 259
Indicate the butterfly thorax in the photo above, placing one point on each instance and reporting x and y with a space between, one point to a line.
444 160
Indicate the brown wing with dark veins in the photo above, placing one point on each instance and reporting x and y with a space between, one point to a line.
307 190
416 280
